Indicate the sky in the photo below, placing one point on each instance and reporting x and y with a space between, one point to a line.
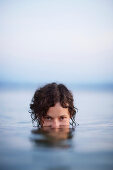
56 40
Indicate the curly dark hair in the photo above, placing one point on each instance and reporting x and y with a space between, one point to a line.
47 96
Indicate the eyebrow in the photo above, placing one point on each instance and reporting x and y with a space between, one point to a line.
47 116
59 116
62 115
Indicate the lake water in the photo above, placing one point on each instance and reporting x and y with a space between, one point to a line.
87 147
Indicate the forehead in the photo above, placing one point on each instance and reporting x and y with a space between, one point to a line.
57 110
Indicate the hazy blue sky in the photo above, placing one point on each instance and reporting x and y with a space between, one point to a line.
56 40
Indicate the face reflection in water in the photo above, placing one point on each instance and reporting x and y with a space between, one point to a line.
56 117
50 137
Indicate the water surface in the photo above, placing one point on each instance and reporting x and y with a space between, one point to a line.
88 146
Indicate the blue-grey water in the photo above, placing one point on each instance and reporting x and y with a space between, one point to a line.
87 147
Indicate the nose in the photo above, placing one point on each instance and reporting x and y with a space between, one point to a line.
55 124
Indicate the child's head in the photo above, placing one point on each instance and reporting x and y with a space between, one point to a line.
53 106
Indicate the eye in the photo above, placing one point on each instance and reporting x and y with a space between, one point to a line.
48 118
62 118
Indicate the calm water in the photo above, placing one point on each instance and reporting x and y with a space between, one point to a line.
88 146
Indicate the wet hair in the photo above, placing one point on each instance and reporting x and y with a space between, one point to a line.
46 97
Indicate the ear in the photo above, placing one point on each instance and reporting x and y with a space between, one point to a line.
70 115
41 121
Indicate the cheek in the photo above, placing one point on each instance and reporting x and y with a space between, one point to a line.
46 123
65 122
